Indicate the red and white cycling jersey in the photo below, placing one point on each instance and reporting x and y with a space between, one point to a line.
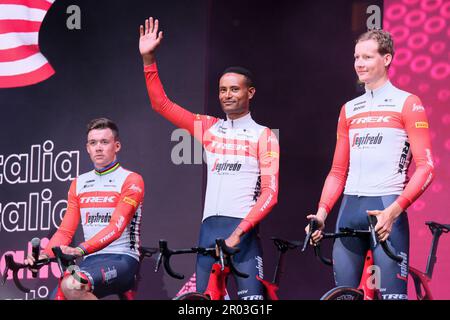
242 158
109 206
378 133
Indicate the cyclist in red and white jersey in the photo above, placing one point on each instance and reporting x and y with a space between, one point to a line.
107 201
378 133
242 159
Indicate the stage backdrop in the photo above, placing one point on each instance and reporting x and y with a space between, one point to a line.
301 53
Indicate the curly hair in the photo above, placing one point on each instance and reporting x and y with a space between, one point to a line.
383 38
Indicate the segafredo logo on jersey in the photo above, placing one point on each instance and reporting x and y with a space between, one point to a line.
371 119
103 199
225 166
367 139
94 218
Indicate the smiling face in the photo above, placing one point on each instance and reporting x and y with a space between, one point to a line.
370 66
235 95
102 147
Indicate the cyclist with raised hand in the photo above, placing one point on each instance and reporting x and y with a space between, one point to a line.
108 203
242 159
377 134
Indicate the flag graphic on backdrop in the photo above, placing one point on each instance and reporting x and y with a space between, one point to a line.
21 62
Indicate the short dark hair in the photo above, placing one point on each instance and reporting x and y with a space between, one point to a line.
103 123
240 70
383 38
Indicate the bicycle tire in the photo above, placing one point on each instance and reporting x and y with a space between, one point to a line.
192 296
343 293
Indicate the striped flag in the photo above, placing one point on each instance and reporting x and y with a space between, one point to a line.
21 62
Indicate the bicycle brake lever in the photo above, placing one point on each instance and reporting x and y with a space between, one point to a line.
158 262
312 229
372 223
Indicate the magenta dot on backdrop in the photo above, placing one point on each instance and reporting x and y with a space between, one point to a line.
445 10
402 56
417 41
415 18
434 25
395 12
443 95
440 71
430 5
400 33
424 87
403 80
438 47
436 187
447 144
420 64
446 119
419 205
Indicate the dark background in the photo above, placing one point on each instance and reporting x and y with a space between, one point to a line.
301 54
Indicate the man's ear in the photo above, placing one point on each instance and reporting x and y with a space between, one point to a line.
387 59
118 145
251 92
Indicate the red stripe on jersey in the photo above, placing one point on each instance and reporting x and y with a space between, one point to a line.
99 199
32 4
26 79
376 119
7 26
18 53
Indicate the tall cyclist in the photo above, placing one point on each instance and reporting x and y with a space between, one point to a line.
377 135
242 159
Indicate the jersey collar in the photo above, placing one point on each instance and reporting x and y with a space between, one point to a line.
379 91
242 121
108 169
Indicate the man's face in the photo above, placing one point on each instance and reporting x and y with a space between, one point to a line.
102 147
234 94
370 65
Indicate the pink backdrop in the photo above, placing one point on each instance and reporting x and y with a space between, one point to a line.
421 32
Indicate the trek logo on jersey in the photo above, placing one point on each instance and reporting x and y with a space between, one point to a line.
371 119
225 166
422 125
367 139
105 199
229 146
418 108
97 218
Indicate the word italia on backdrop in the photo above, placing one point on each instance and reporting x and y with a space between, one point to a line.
35 211
41 164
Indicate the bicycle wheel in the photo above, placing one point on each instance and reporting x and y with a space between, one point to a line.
192 296
343 293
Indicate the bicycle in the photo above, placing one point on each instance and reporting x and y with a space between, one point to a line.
364 291
216 288
66 264
422 279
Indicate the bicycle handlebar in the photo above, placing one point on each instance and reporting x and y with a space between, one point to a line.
224 258
63 261
349 232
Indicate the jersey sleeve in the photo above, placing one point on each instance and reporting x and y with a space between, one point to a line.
131 197
416 125
335 181
69 223
195 124
269 157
